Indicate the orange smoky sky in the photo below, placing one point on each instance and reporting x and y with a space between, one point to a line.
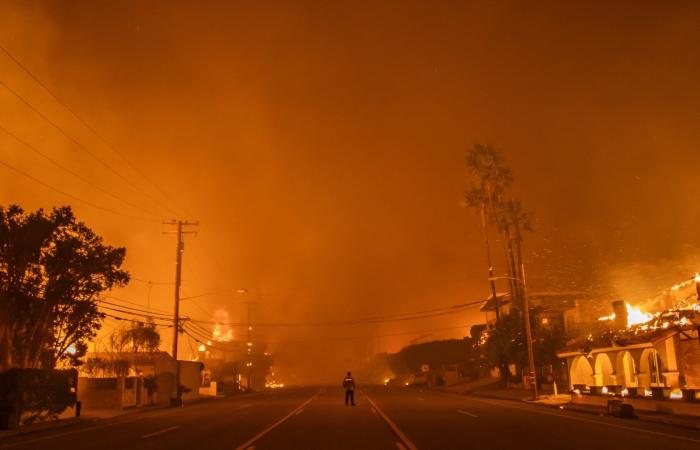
321 147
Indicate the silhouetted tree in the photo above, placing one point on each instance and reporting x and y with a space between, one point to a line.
490 179
138 337
52 269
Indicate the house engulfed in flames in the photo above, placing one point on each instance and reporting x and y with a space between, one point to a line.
636 354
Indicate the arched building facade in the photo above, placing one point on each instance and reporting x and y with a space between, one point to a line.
664 358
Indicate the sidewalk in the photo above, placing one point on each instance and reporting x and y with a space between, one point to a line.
563 401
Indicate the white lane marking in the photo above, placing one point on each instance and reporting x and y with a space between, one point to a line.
165 430
117 421
400 446
252 447
374 411
466 413
420 398
249 442
406 441
156 413
299 412
582 419
245 406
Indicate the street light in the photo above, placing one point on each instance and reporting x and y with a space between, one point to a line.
528 331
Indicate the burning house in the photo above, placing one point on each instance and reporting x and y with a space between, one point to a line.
632 353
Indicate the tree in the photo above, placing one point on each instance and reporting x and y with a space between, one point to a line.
490 180
505 344
139 337
52 270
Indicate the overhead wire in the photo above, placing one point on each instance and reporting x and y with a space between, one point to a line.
106 142
133 313
370 320
150 313
137 304
343 338
69 195
133 320
71 171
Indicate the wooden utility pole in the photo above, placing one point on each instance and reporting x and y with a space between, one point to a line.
177 400
528 334
484 228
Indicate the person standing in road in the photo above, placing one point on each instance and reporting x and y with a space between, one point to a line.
349 386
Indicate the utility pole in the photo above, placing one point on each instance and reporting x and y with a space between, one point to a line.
496 302
177 401
249 345
528 334
249 337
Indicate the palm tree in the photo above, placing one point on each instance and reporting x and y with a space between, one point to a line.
491 179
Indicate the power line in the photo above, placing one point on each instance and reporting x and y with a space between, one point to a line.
130 308
120 299
88 126
123 311
78 199
151 282
343 338
75 141
207 343
377 319
133 320
70 171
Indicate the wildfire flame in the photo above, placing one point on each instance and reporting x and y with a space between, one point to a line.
634 316
222 331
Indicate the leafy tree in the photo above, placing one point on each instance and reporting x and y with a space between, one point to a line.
505 344
52 270
139 337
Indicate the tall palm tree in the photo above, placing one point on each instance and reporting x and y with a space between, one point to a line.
490 180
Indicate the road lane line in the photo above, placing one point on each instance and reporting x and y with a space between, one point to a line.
257 437
466 413
299 412
406 441
374 411
245 406
420 398
159 412
400 446
165 430
582 419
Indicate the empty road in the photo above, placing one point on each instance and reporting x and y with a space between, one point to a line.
384 418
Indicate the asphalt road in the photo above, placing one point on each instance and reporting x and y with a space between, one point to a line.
384 418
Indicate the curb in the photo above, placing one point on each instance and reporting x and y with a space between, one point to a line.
594 412
47 426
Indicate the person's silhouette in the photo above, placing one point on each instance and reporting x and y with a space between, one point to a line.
349 386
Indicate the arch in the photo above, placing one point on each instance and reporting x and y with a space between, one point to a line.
626 369
651 368
581 371
604 372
